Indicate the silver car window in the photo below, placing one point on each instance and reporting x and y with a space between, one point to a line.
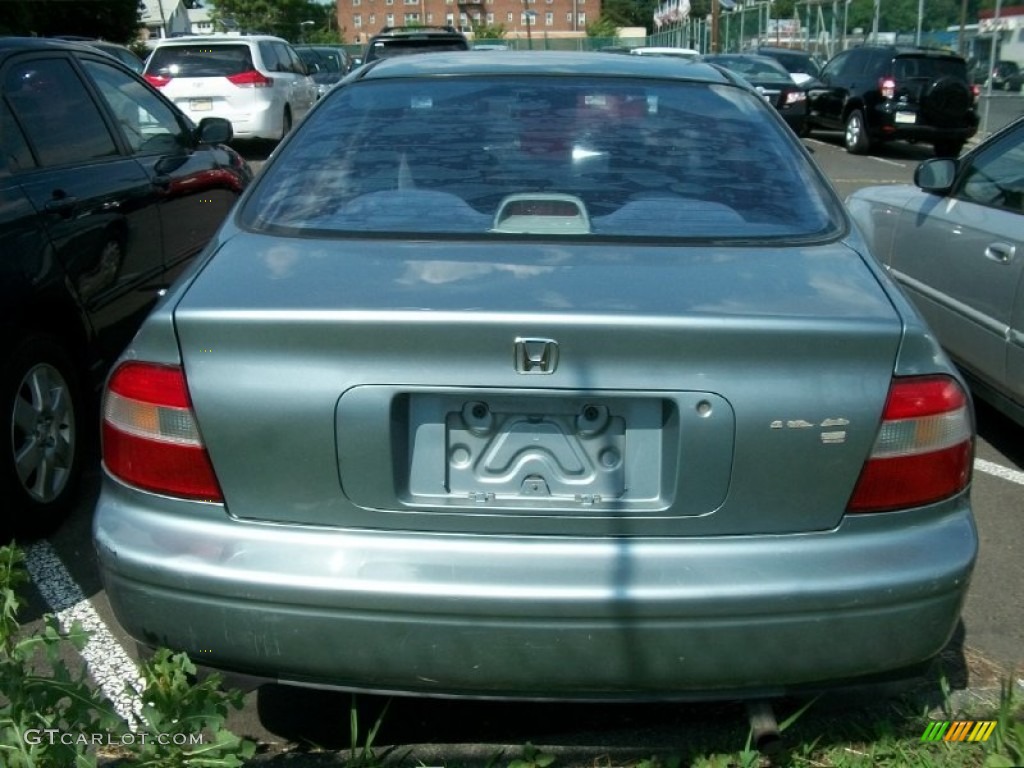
545 156
995 177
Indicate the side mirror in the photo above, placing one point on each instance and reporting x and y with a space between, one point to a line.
214 130
936 175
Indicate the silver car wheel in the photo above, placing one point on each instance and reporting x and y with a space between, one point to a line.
43 433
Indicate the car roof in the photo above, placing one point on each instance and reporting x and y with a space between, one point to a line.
41 43
783 49
9 45
594 63
911 50
218 40
418 32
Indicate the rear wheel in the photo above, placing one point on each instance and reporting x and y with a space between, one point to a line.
855 137
41 444
286 122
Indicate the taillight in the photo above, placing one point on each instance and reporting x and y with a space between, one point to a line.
251 79
976 92
924 448
888 87
159 81
150 436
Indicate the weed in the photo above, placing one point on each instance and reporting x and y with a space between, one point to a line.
532 758
51 716
363 755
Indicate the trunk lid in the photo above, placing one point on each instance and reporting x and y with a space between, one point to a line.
523 388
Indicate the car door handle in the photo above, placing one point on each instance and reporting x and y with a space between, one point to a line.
61 205
1002 253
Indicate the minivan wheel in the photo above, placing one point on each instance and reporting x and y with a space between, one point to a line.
286 122
40 435
855 137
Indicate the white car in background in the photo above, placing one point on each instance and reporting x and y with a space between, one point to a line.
258 82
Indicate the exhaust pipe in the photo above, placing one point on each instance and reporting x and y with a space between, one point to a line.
764 730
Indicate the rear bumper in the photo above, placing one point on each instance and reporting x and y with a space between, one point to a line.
542 617
884 125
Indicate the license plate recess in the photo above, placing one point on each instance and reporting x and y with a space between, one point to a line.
537 452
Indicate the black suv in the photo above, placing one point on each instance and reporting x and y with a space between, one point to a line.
881 93
398 41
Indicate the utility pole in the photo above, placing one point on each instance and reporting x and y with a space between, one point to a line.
715 15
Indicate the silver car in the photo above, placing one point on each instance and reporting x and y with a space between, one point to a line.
546 375
955 242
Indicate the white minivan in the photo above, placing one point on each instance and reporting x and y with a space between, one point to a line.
258 82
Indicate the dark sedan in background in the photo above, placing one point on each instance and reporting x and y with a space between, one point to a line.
327 64
108 192
773 81
539 375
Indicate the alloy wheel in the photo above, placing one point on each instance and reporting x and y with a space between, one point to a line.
43 433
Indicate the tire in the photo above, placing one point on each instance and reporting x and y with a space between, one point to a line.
41 417
948 148
855 135
286 122
946 103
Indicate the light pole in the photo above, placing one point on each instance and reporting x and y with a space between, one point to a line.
530 15
303 26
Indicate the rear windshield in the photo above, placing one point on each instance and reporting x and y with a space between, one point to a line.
200 60
796 63
906 67
544 156
385 48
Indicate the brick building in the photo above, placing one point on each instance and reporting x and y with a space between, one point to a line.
521 18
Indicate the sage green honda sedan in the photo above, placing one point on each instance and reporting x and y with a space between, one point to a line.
539 375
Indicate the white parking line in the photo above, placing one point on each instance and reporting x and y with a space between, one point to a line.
997 470
108 663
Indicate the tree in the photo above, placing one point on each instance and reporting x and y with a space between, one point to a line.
272 17
603 27
489 32
115 20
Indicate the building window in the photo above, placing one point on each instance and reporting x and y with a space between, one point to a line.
357 20
430 18
356 2
568 17
449 20
389 20
490 19
549 19
582 20
412 18
373 19
412 2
